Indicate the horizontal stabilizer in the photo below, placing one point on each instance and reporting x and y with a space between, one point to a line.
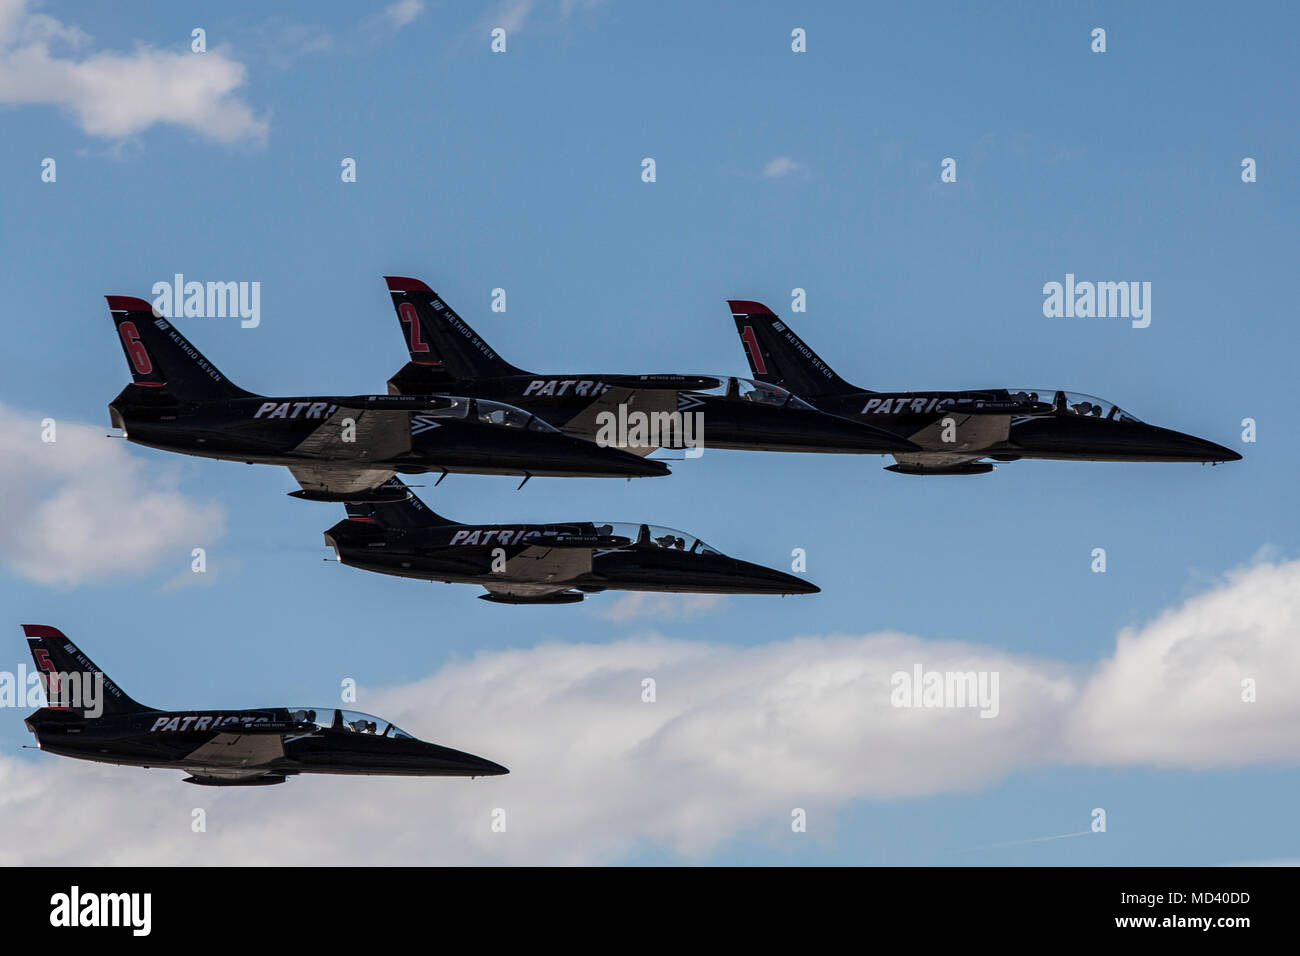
680 382
1015 409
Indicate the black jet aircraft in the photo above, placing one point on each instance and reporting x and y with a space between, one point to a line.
639 412
542 563
91 718
338 448
957 430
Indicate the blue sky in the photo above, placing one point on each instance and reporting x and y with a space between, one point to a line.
522 171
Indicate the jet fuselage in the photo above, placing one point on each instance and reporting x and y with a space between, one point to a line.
1022 423
542 559
410 434
738 414
273 743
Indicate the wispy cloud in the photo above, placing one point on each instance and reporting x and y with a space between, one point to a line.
44 62
403 12
781 166
510 15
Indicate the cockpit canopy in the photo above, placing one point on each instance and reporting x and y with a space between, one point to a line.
1073 403
760 393
349 720
488 412
649 534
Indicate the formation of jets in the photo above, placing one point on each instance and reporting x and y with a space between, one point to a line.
458 407
447 355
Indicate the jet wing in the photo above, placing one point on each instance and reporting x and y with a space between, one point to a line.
338 482
586 424
339 470
237 751
375 435
972 432
538 563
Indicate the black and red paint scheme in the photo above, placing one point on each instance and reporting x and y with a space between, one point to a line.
220 748
557 563
337 447
446 355
954 431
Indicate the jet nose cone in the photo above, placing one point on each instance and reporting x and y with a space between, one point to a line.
1191 448
770 581
448 762
647 467
486 768
623 464
1224 454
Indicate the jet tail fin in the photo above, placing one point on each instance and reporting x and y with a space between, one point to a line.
410 512
70 679
779 357
435 333
159 356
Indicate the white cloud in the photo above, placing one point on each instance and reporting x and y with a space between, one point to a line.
1171 694
83 508
116 95
403 12
511 15
662 607
737 737
781 166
